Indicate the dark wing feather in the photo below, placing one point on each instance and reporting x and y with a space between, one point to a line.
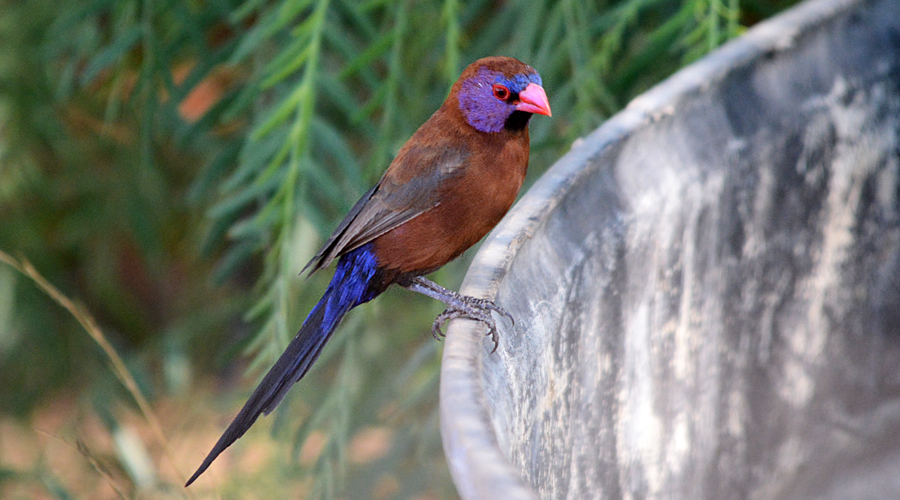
390 203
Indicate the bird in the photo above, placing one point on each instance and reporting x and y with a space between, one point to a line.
447 187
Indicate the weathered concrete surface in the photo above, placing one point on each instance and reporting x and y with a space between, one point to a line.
706 289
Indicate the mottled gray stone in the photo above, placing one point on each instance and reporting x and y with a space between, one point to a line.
706 289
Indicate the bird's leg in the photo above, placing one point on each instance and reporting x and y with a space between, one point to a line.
459 305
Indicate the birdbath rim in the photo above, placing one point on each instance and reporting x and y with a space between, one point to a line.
479 468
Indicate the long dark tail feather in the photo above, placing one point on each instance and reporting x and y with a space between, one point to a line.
357 279
293 364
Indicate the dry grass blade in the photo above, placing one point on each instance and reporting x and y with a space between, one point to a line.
85 452
87 322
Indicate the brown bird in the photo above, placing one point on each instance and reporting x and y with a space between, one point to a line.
449 185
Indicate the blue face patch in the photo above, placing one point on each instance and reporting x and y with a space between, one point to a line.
476 98
520 81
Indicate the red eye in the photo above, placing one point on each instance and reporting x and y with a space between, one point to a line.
500 91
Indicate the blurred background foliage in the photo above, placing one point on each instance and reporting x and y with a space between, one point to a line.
172 164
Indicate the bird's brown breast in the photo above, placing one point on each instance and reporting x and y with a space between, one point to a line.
471 202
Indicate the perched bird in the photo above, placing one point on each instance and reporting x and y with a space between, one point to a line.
449 185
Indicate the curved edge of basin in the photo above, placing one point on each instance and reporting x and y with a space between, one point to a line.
477 464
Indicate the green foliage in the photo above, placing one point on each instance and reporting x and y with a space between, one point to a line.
146 146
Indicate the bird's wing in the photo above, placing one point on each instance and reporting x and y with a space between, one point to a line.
408 189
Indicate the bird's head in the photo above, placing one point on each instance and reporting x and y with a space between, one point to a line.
497 93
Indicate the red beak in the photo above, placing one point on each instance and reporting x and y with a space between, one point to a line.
533 99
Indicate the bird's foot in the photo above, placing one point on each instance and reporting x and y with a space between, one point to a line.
460 306
474 308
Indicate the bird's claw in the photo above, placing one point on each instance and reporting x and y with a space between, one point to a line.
474 308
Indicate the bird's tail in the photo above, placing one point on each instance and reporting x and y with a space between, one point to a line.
354 282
